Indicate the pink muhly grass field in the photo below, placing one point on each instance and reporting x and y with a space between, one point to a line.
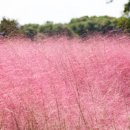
65 84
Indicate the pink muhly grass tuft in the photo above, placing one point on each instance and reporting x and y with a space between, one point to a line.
65 84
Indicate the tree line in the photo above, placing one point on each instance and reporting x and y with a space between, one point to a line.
80 27
77 27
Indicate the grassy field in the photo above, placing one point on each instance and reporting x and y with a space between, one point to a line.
65 84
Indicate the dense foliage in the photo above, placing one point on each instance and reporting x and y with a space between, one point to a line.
127 8
76 27
9 27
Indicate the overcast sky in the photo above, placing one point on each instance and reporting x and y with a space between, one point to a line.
39 11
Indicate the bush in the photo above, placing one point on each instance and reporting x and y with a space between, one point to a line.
9 27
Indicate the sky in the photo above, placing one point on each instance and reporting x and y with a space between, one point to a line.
58 11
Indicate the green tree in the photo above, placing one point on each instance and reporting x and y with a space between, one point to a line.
30 30
9 27
87 25
123 23
127 8
46 28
